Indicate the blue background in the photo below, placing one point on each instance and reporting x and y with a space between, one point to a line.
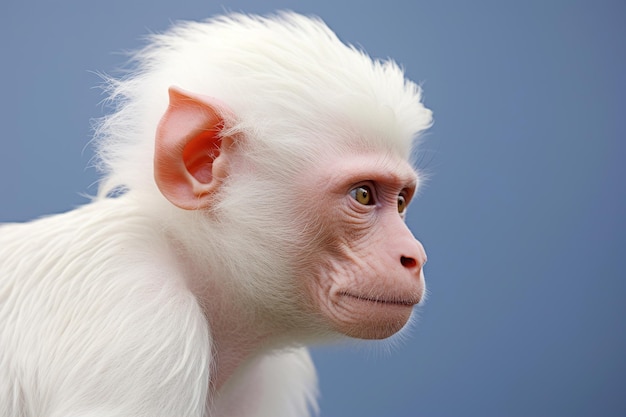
523 217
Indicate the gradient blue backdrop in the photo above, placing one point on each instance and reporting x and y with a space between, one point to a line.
523 218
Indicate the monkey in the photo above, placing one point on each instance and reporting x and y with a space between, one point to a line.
256 173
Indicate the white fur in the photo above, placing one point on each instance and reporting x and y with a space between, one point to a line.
97 321
287 65
96 317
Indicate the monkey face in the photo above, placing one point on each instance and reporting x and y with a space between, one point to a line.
369 275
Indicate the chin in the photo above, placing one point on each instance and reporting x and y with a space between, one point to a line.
374 329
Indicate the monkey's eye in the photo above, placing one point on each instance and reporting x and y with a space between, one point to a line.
363 195
401 204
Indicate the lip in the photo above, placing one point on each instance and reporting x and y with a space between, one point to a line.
401 302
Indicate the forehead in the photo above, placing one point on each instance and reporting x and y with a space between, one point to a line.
355 167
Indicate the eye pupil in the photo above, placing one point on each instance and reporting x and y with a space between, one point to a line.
363 195
401 204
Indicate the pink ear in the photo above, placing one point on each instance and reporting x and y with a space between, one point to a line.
188 147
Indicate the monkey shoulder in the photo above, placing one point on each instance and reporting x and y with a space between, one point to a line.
86 297
93 246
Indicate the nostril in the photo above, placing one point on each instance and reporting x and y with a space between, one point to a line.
408 262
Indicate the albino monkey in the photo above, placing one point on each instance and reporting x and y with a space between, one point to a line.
256 178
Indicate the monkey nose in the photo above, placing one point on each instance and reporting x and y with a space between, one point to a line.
417 259
408 262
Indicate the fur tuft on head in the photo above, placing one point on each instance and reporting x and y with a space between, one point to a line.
299 97
294 87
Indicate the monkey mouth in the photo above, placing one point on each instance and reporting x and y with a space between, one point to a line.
402 302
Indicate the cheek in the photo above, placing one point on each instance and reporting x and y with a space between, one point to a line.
355 283
358 298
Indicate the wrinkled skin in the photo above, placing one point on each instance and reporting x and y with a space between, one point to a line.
370 274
